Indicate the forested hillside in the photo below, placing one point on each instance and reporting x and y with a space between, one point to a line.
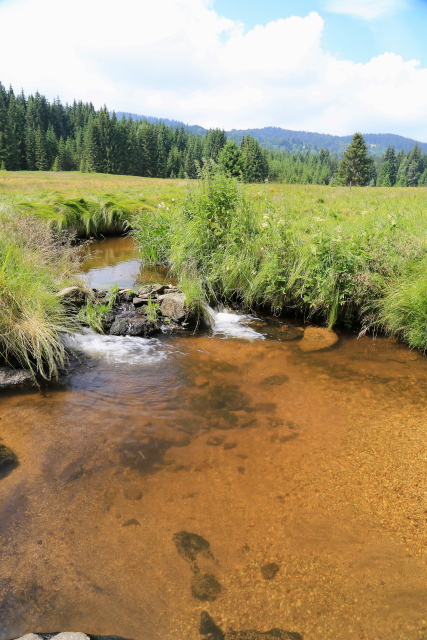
38 135
278 139
287 140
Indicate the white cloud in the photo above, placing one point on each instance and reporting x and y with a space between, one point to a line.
180 59
365 9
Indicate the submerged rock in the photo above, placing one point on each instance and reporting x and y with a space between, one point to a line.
12 377
205 586
7 456
317 338
189 545
269 570
208 626
272 381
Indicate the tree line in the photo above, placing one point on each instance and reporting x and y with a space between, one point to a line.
36 135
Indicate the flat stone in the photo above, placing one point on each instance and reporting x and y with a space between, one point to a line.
72 295
29 636
12 377
147 291
138 302
317 338
71 635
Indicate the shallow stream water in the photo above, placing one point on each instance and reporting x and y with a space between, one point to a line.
311 463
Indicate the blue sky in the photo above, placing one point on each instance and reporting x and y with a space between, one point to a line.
402 31
333 66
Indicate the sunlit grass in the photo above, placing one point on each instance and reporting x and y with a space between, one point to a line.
343 256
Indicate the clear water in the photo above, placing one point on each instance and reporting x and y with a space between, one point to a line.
313 461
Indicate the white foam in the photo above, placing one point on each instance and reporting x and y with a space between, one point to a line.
232 325
116 349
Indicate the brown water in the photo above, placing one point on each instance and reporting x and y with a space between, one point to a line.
115 260
313 461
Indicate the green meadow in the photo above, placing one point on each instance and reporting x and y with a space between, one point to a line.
340 256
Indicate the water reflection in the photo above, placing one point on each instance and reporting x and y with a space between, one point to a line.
114 261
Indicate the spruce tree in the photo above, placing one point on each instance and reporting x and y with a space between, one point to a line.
254 160
356 166
387 173
230 159
415 167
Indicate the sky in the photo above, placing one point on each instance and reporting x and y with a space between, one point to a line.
330 66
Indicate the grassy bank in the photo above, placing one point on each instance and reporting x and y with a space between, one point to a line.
34 261
34 264
356 257
85 204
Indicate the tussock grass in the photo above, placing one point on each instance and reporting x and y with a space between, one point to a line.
33 265
355 257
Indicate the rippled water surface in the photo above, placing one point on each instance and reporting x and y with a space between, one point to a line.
314 462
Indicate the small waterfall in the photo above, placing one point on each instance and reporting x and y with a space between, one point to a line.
116 349
230 325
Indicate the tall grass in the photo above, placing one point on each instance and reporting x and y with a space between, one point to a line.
32 266
88 205
355 258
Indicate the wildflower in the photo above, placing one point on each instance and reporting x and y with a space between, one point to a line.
264 224
317 219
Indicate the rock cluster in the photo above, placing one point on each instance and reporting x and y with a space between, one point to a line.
146 311
136 313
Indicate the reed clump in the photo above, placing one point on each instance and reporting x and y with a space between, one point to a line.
355 257
34 264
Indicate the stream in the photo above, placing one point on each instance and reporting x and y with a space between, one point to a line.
304 472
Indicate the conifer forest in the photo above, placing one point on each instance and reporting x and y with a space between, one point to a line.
37 135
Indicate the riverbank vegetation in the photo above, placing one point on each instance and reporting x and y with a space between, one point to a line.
34 263
36 135
355 257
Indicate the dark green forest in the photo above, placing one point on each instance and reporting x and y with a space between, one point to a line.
37 135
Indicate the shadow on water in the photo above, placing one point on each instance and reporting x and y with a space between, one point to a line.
295 483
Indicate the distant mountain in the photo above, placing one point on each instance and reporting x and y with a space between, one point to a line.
276 138
171 123
288 140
